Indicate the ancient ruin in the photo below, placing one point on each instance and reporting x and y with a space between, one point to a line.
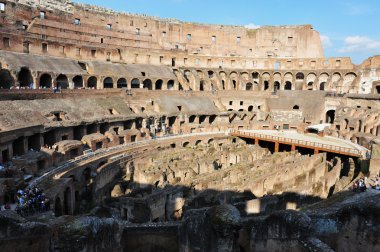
151 134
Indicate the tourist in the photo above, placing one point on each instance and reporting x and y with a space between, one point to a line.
31 201
362 185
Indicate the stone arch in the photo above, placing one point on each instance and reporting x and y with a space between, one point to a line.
198 142
25 77
244 75
62 81
122 83
300 76
92 82
135 83
200 74
234 85
234 78
330 116
6 79
108 82
58 207
67 201
266 78
147 83
185 144
323 78
158 85
288 76
288 85
170 85
310 85
255 75
210 141
322 86
277 76
211 74
276 86
46 81
296 107
348 80
78 81
336 77
249 86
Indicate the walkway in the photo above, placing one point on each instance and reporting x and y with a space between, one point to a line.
310 141
112 152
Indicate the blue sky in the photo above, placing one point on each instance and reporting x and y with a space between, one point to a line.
348 27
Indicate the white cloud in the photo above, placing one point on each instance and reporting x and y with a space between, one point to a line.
326 41
360 44
252 26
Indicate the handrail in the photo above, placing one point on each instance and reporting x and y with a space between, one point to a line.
108 151
298 142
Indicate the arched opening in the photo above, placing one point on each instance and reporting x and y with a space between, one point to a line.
266 85
234 84
6 79
310 85
201 86
249 87
378 89
330 116
25 78
92 82
276 86
192 119
345 124
78 81
122 83
210 74
108 82
322 86
158 84
250 108
255 75
135 83
45 81
198 142
57 207
62 81
288 85
296 107
147 84
86 175
185 144
67 201
171 85
300 76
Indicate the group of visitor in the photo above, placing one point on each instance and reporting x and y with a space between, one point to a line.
360 185
31 201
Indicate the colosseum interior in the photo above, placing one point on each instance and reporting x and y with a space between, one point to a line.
151 134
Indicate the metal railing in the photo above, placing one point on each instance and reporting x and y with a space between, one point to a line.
330 147
104 153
